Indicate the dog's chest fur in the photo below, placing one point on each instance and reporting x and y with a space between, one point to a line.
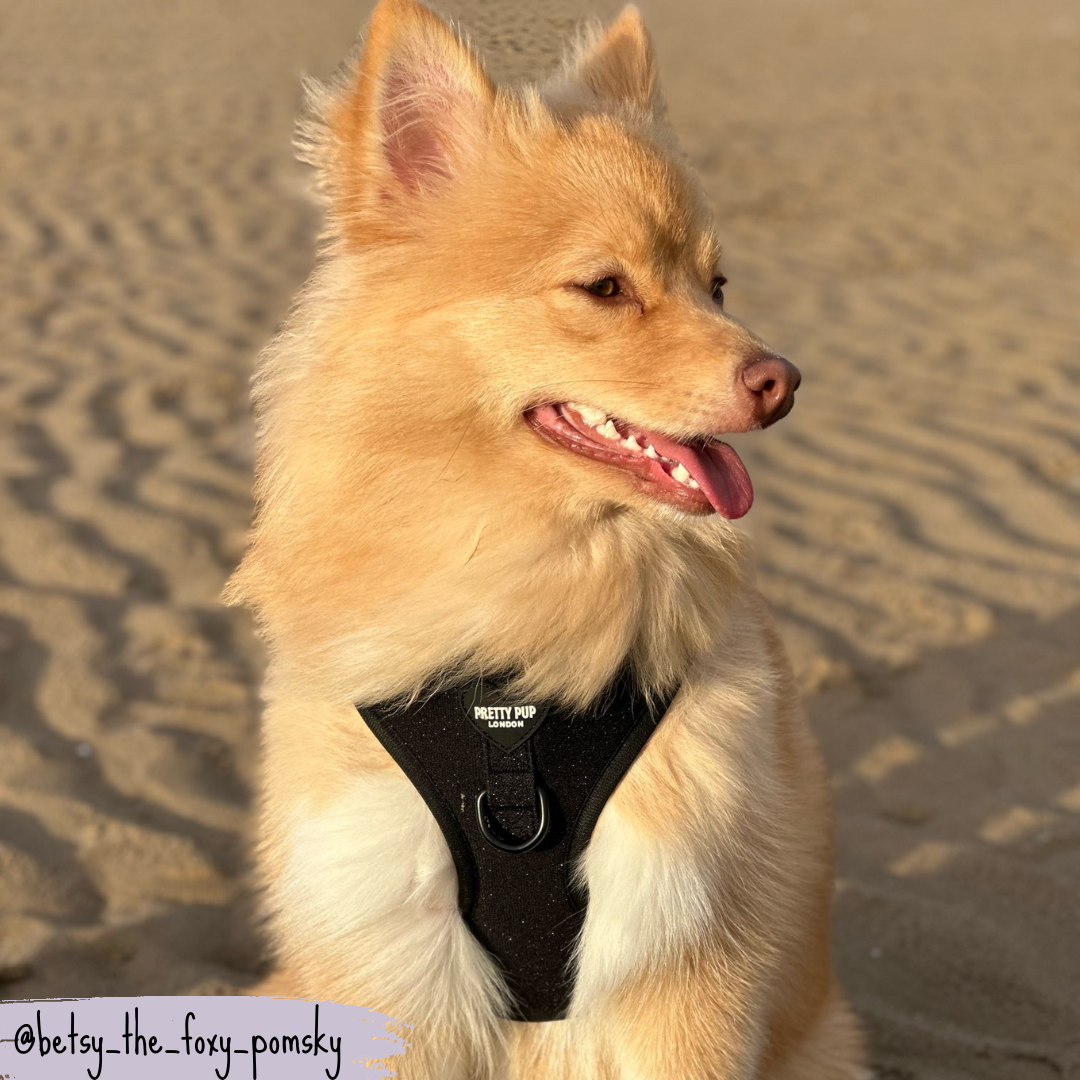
368 878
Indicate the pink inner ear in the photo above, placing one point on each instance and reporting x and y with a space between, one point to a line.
416 113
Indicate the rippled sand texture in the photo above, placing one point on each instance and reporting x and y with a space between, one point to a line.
898 189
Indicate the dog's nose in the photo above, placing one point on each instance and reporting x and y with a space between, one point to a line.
772 382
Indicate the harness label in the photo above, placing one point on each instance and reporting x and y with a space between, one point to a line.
506 722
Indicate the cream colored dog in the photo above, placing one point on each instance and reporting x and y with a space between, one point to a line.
487 442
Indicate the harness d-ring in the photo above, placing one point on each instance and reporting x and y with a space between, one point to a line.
506 845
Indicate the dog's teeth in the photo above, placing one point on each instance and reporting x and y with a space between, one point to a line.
609 431
651 453
631 443
692 483
592 417
680 473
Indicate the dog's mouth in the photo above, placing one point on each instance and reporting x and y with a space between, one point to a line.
700 477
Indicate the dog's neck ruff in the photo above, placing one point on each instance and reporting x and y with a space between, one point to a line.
517 786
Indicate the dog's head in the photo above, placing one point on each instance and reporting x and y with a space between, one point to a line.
517 331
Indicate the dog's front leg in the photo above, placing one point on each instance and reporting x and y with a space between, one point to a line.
664 987
695 1018
656 1025
361 895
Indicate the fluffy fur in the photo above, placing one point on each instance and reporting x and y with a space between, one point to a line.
410 525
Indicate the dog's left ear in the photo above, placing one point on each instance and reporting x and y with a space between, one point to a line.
618 63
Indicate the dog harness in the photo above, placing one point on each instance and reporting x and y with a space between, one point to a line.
516 787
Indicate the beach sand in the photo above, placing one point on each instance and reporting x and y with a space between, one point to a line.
897 188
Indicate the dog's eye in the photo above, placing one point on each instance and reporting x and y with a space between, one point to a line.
605 287
718 284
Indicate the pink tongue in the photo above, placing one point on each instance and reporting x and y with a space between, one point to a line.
717 469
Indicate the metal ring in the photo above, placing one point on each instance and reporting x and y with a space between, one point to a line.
504 845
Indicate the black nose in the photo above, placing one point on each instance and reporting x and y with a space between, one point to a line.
772 382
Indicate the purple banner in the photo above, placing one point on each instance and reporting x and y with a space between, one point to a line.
197 1038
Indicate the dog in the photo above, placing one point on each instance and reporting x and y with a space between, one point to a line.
489 441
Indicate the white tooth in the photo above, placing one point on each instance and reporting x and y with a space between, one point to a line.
592 417
631 442
680 473
694 484
650 452
609 431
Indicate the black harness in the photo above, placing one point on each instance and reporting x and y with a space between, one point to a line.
517 787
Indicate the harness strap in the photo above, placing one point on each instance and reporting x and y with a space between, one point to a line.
517 787
511 790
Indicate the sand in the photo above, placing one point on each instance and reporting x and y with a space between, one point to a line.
898 190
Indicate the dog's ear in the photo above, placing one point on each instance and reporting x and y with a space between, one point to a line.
618 63
414 106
